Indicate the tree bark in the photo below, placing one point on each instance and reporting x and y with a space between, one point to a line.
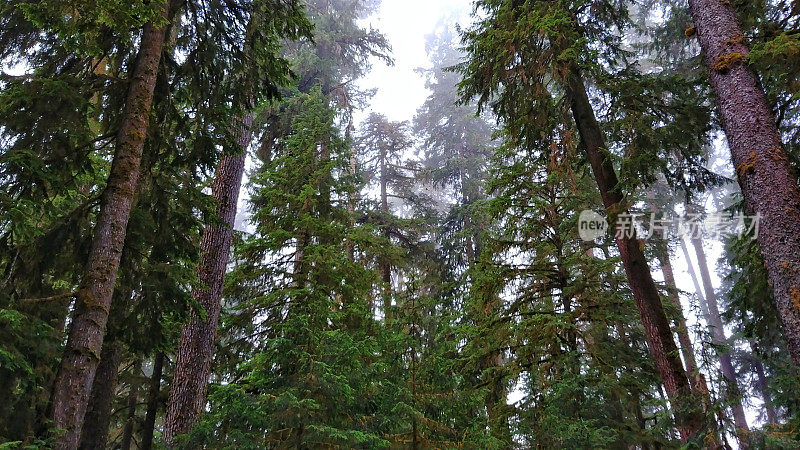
152 402
767 180
193 360
718 331
81 354
648 301
98 415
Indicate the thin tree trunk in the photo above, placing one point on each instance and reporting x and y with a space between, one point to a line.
648 301
768 183
351 202
697 289
701 300
687 349
82 352
386 267
718 330
152 402
496 399
130 421
98 414
763 387
193 360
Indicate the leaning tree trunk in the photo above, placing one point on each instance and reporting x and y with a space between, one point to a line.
648 301
763 386
97 419
193 360
766 178
718 331
152 402
98 415
93 299
697 289
687 349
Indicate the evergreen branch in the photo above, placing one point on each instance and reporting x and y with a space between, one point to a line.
52 298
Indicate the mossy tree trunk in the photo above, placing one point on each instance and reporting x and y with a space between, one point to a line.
82 353
768 183
98 415
648 301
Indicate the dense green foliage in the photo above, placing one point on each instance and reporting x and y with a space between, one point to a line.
393 284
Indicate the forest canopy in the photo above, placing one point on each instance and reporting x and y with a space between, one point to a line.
573 224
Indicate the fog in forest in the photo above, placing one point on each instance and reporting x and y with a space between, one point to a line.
399 224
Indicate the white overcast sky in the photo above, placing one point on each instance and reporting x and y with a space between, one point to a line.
406 23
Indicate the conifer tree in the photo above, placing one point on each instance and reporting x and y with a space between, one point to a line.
93 299
456 147
382 145
412 283
258 73
768 182
558 49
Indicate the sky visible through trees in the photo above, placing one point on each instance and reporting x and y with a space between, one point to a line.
399 224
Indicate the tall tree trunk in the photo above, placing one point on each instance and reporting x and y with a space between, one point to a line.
193 360
763 387
701 300
699 383
81 354
385 266
130 421
768 182
152 402
648 301
718 331
98 414
697 289
687 349
496 400
351 202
